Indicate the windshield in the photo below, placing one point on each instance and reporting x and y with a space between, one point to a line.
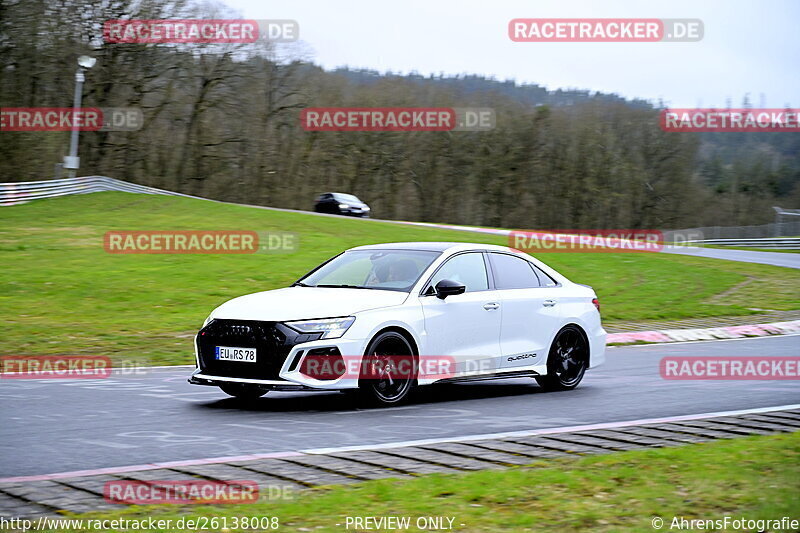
394 270
347 198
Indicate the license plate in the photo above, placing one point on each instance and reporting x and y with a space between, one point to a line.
230 353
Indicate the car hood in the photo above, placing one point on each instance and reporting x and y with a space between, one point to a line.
299 303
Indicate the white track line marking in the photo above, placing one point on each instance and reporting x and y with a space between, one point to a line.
552 431
318 451
149 466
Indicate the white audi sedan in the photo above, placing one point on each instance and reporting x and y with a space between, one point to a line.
383 319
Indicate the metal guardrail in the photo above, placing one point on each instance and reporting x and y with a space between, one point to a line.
786 228
785 243
24 191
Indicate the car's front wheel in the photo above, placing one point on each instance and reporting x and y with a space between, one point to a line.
242 391
388 370
567 360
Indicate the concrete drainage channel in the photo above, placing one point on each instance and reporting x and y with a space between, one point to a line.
41 496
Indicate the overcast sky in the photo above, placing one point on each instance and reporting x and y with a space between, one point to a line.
749 46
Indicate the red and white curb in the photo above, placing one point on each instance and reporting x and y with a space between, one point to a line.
705 334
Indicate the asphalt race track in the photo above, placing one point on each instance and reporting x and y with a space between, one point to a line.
54 425
782 259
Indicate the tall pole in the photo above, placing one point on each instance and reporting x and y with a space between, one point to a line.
76 105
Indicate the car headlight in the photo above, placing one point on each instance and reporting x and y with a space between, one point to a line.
331 328
344 206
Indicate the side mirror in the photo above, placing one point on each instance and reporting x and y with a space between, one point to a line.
448 287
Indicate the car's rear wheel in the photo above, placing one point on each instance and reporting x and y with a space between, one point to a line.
387 374
567 360
242 391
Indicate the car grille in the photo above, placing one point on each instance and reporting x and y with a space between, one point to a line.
273 342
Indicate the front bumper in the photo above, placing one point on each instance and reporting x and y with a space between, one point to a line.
280 350
198 378
355 211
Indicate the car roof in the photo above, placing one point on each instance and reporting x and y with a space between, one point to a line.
434 246
339 194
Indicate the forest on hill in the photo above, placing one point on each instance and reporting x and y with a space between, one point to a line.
222 121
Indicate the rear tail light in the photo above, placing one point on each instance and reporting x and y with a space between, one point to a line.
596 303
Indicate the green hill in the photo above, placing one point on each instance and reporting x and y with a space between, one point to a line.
64 294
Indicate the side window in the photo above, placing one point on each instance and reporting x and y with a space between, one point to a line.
467 269
512 272
544 279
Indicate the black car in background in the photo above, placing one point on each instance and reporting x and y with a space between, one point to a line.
338 203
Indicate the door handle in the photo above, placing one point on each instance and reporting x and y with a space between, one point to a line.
549 303
491 306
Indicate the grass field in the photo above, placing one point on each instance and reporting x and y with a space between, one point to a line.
617 492
63 294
